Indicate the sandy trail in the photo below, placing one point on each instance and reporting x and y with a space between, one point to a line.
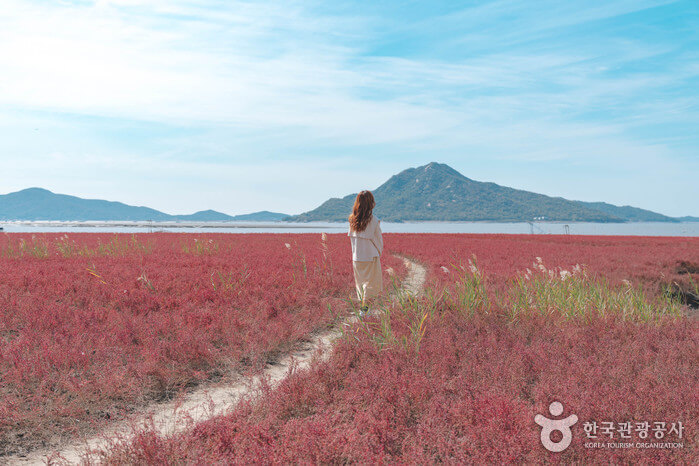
207 402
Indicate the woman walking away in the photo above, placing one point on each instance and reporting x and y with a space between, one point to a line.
367 245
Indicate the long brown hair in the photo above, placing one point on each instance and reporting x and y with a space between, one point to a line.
361 212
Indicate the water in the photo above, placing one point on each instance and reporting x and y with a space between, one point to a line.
623 229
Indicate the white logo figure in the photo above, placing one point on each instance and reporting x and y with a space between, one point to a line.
550 425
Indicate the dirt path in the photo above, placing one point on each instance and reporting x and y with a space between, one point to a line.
207 402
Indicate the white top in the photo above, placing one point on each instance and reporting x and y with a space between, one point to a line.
367 244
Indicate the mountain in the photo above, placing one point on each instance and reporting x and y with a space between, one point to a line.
205 216
42 204
434 192
437 192
628 213
262 216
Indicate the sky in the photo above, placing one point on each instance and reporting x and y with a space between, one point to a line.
186 105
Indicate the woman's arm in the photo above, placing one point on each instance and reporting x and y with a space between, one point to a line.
378 239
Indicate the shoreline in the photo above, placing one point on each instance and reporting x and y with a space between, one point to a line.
684 229
311 224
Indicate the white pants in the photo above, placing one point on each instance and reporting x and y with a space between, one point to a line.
368 278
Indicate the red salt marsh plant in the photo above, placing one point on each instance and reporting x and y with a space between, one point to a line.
15 246
548 293
650 262
92 326
193 323
428 381
200 246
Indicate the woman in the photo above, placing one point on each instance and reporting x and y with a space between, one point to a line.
367 245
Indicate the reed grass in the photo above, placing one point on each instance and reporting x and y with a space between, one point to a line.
551 293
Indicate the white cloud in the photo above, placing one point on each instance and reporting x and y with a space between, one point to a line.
273 81
263 65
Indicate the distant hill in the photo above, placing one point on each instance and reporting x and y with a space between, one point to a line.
628 213
204 216
437 192
42 204
262 216
434 192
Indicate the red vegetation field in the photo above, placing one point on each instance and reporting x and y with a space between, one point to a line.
432 380
469 395
644 258
650 262
94 325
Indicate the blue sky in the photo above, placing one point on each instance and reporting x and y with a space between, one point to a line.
185 105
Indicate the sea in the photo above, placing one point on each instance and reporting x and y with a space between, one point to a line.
536 228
